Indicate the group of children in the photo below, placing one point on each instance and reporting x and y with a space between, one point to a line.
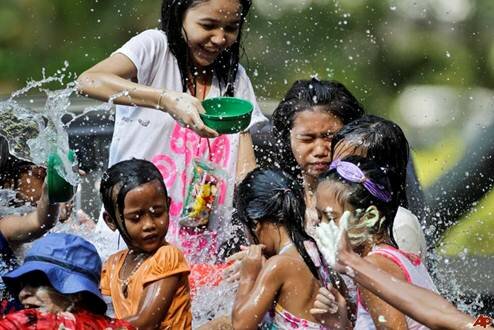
334 166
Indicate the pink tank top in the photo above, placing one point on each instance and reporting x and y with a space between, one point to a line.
415 273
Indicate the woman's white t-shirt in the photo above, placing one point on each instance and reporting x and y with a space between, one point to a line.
155 136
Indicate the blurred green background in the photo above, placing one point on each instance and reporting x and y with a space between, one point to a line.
427 64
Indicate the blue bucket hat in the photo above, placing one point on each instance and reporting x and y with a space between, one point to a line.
71 265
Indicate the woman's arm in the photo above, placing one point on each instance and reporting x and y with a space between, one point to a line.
155 302
115 75
22 228
257 291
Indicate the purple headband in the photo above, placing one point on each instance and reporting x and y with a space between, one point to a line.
353 173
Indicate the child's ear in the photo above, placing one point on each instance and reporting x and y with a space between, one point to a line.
109 222
168 202
372 216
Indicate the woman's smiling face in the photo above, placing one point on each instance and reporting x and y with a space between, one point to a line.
210 27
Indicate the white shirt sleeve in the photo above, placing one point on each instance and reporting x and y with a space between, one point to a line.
146 50
408 233
246 92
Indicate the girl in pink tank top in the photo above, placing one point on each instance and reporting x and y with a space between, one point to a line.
358 185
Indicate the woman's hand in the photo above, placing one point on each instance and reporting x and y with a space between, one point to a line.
185 109
330 309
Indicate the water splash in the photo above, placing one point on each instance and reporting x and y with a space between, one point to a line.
33 135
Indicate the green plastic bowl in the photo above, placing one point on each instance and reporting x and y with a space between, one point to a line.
59 190
227 115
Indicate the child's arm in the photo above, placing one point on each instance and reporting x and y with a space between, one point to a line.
422 305
257 291
110 77
155 301
23 228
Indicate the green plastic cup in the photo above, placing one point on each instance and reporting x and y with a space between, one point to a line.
227 115
59 190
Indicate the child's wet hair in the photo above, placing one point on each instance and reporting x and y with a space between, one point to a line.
225 66
358 196
270 195
335 98
384 142
121 178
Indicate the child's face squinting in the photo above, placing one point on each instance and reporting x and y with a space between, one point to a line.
211 27
146 216
310 139
329 206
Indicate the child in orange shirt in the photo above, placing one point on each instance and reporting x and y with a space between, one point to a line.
148 282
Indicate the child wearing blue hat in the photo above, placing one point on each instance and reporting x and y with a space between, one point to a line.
58 283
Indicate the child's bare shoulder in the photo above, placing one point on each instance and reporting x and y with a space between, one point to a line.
284 265
386 264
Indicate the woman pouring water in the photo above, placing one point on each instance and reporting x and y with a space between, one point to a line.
161 76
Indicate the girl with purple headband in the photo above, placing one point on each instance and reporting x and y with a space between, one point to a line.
356 194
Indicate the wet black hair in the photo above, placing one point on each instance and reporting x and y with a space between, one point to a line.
125 176
302 96
271 195
225 66
385 143
360 198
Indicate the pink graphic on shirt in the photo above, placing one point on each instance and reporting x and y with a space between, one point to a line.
175 208
220 150
185 141
167 168
222 192
184 146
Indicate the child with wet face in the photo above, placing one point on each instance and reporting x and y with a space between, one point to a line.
148 282
359 186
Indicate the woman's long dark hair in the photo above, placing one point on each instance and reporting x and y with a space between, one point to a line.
360 198
225 66
270 195
383 142
303 95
